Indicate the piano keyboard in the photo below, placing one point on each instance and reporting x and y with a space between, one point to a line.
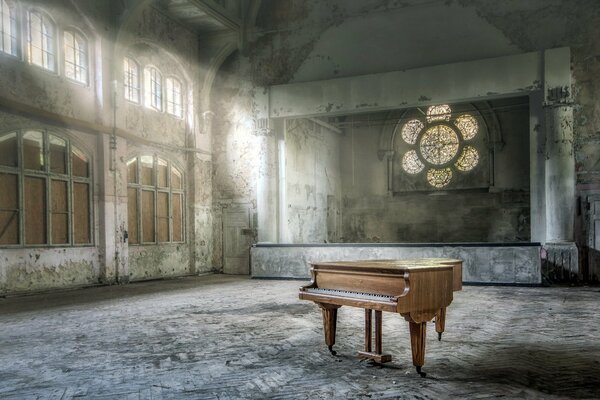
354 295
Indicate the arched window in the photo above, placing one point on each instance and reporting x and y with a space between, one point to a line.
131 80
76 56
40 40
46 190
440 145
174 97
155 199
153 88
8 28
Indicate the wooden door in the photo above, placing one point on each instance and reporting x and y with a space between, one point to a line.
237 239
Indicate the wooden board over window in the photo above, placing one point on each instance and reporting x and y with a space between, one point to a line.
9 209
35 210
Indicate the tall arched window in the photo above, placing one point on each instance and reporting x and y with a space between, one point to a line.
76 56
153 88
155 199
40 40
8 28
131 80
174 97
46 190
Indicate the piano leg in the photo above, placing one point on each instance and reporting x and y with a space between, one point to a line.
417 344
329 324
368 354
440 322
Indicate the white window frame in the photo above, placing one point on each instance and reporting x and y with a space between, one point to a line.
8 28
174 89
47 40
153 86
76 56
131 80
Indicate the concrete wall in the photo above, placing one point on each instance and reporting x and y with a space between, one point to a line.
482 262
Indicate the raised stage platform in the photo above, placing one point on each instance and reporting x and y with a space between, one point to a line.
499 263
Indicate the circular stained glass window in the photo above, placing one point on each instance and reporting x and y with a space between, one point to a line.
411 162
411 130
439 139
439 144
439 177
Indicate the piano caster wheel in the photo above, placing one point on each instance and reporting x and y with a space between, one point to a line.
440 336
423 374
332 351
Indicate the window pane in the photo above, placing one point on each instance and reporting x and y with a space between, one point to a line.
147 170
8 150
33 150
41 41
75 48
79 163
35 210
162 214
132 215
175 178
60 216
147 216
58 155
9 209
81 213
131 80
177 201
132 171
8 29
163 171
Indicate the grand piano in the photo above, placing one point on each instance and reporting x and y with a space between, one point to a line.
418 289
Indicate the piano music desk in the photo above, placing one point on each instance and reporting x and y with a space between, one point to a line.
417 289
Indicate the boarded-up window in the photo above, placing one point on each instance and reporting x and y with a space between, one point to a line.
132 215
35 210
79 163
177 204
8 150
147 216
60 212
58 155
9 209
33 150
175 179
81 213
162 216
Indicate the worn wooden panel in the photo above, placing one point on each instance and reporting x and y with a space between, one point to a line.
175 179
132 215
9 213
236 244
148 224
147 170
162 216
35 210
81 213
8 150
59 208
177 204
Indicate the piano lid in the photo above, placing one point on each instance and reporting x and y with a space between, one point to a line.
394 266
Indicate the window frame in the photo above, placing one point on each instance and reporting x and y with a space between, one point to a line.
44 17
76 33
155 188
15 33
48 177
127 89
169 93
150 92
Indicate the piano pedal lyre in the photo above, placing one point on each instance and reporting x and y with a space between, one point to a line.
368 354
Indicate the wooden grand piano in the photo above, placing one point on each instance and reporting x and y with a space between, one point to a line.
418 289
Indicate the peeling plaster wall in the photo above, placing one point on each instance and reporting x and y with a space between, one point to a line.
313 185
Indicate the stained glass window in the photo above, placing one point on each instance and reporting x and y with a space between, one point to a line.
410 131
467 124
439 177
439 113
411 162
438 145
468 159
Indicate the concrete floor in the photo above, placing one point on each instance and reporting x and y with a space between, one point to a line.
221 337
